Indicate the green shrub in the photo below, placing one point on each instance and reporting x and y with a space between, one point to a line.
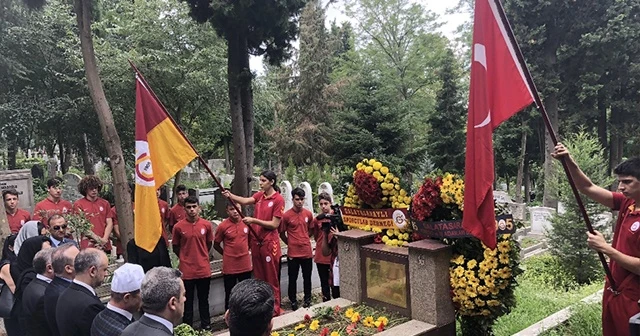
568 239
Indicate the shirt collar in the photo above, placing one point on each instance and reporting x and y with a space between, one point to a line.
162 320
55 241
76 281
65 279
43 278
120 311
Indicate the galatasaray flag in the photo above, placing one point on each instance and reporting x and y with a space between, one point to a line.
498 90
161 151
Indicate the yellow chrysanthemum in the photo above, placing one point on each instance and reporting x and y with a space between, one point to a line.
300 326
368 321
459 260
469 274
368 170
275 333
471 291
471 264
493 303
479 302
377 165
383 319
504 258
335 333
315 324
349 313
459 271
504 246
384 170
354 318
482 290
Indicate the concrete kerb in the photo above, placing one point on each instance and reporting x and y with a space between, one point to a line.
557 318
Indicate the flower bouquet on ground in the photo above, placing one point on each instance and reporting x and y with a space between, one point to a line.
482 279
376 187
358 320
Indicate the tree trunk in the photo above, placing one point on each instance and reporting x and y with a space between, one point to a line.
176 182
246 93
523 151
527 183
602 120
87 162
5 231
66 164
227 160
236 53
12 152
550 58
107 126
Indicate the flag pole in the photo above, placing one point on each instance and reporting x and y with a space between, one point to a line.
206 166
552 135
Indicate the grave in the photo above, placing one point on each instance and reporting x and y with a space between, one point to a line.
541 219
21 181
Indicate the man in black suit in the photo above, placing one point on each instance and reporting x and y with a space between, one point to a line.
62 262
33 321
125 301
78 305
163 298
58 231
250 310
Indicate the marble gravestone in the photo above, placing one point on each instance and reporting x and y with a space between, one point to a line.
541 219
308 199
327 188
285 191
22 182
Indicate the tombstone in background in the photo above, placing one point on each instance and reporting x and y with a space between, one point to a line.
308 200
501 197
70 187
326 187
216 165
541 219
561 209
285 191
20 180
52 168
518 210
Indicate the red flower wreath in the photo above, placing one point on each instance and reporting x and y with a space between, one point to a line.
367 187
427 199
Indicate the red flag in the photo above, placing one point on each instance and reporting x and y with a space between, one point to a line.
498 90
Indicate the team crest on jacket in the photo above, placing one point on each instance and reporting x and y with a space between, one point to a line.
635 226
246 230
270 204
202 231
268 258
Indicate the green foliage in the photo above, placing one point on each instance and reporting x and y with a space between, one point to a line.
40 191
209 211
585 320
567 239
186 330
446 146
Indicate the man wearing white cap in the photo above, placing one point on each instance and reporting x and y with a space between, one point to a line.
125 301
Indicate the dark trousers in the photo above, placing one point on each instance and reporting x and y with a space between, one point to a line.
202 287
230 280
294 265
327 290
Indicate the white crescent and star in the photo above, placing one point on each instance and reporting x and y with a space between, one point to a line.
480 56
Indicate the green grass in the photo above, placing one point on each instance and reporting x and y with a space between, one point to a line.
585 321
528 242
536 299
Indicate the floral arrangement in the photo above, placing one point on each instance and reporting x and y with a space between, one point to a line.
79 225
482 279
359 320
375 187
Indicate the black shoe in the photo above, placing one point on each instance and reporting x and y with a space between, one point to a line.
294 306
206 327
306 304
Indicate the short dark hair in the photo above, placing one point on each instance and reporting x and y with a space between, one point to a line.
324 196
181 187
54 216
630 167
230 204
191 200
59 260
297 191
251 301
54 182
10 192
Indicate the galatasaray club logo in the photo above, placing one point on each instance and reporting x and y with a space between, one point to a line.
144 171
399 219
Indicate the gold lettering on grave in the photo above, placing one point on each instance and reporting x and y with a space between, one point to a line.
386 282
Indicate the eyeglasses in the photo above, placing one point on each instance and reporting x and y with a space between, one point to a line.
58 227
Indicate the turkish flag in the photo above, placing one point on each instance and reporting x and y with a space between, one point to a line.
498 90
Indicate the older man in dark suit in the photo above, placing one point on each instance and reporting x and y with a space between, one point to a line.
78 305
62 262
163 298
33 321
125 301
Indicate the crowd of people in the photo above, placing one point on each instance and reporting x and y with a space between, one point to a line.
53 277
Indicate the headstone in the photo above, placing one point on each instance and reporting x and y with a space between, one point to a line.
285 191
21 181
517 210
254 184
604 219
327 188
37 172
541 219
216 165
225 179
501 197
561 209
52 168
70 187
308 200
